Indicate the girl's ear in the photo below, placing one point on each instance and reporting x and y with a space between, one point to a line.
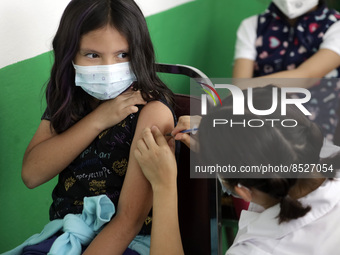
243 192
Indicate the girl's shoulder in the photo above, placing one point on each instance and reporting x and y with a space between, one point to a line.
154 113
158 109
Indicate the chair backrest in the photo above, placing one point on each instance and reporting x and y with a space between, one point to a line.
197 198
193 195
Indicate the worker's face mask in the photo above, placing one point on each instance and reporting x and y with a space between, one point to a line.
295 8
226 189
104 81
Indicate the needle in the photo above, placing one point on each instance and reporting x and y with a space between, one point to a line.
191 130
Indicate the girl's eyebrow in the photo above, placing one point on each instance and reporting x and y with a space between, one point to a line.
123 50
88 50
82 50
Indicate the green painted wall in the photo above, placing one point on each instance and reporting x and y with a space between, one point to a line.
201 34
24 211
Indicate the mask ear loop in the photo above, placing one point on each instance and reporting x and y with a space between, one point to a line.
242 186
245 191
228 191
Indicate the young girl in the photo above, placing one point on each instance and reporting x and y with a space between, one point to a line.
102 48
295 39
286 212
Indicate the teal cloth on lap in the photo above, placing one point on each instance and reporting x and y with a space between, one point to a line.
79 229
141 244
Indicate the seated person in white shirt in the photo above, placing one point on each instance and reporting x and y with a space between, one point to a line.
294 215
294 39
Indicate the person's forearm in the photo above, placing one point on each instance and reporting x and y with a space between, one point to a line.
165 234
115 237
243 68
47 159
291 78
282 79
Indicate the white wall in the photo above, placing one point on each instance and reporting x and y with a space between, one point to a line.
27 27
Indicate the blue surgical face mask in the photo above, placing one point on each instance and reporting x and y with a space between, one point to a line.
104 81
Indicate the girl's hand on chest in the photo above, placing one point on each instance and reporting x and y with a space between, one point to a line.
111 112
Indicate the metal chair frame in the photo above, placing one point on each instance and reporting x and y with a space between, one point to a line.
215 206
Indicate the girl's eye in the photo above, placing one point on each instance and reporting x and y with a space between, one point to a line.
123 55
92 55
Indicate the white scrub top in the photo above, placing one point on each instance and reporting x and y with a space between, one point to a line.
316 233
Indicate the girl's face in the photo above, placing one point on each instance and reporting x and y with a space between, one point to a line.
104 46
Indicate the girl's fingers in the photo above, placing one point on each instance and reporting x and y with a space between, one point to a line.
128 110
128 104
136 95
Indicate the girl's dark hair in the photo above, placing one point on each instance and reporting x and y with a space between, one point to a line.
272 144
68 103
